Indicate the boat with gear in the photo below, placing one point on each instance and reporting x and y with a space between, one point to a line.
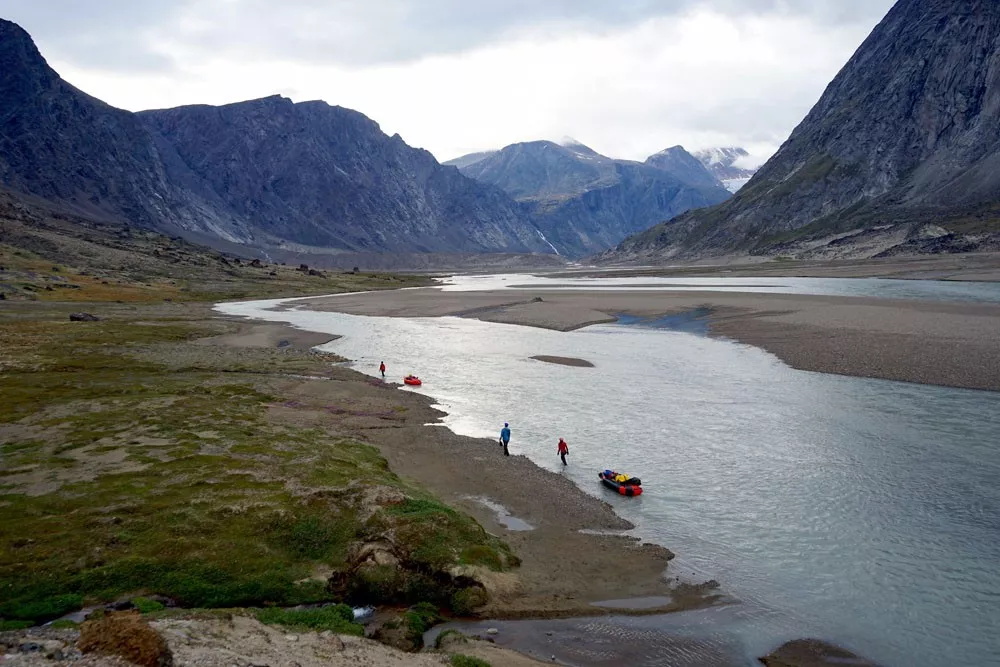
624 484
412 380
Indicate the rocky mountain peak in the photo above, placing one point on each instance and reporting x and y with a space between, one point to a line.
683 166
905 135
582 200
23 70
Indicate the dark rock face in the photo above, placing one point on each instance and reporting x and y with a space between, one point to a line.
61 144
583 201
266 173
321 175
905 135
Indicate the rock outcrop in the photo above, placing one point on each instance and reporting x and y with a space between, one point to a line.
904 136
60 144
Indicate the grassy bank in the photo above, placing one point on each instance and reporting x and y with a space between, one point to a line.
135 461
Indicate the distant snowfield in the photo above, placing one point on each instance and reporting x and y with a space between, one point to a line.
734 184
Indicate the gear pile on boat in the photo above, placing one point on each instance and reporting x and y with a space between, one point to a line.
620 482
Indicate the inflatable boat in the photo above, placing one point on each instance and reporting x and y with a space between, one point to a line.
412 380
623 484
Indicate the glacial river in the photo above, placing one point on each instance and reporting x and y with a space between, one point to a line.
864 512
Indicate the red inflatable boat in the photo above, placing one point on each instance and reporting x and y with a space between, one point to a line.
623 484
412 380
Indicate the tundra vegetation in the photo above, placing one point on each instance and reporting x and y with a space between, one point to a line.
139 462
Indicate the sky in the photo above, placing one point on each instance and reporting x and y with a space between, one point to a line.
626 77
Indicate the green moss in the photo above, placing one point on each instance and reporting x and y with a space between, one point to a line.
466 600
440 639
440 536
15 625
336 618
418 619
459 660
40 608
147 606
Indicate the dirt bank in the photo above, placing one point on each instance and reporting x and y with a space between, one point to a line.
942 343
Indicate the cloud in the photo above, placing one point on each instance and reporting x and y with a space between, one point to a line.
102 34
628 78
351 32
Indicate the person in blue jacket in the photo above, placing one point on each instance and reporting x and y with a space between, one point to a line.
505 438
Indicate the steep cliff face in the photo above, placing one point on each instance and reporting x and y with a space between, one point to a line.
904 136
321 175
61 144
267 173
583 201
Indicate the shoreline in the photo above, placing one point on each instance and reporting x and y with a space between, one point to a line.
571 569
565 567
951 344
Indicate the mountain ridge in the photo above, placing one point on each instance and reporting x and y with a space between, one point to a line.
234 174
584 201
899 155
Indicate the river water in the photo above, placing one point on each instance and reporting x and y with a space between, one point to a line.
864 512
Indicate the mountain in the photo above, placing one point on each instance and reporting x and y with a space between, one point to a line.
722 163
583 201
266 174
466 160
325 176
684 166
900 154
61 144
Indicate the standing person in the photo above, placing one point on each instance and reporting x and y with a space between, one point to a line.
505 438
381 368
563 450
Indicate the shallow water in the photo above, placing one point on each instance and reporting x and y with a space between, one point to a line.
864 512
932 290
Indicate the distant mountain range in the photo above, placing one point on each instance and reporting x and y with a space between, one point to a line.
901 155
583 201
266 175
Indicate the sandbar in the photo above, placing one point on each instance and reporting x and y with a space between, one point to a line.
931 342
564 361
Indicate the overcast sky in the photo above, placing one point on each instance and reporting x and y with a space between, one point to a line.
626 77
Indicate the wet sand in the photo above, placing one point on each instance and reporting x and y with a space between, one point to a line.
564 361
940 343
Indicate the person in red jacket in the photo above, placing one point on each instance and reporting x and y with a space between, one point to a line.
563 450
381 367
